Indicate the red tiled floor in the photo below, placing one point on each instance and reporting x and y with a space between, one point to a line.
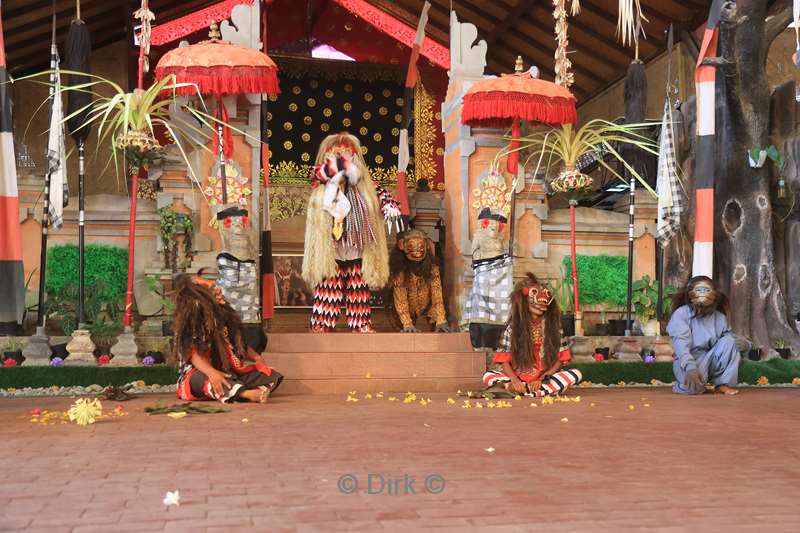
709 463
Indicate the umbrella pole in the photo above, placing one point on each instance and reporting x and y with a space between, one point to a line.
575 292
81 231
221 150
628 320
513 167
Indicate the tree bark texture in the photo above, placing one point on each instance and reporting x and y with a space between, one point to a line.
745 259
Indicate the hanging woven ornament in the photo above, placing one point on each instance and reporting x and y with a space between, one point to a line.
564 76
629 22
146 17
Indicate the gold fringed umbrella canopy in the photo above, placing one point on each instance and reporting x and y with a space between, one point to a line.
219 67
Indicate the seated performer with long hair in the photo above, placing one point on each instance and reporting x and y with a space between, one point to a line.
210 348
705 349
531 354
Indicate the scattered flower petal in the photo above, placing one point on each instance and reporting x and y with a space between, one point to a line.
518 397
591 404
466 405
490 449
533 404
379 395
368 375
565 419
368 396
179 414
547 400
763 380
631 407
450 401
479 405
654 381
172 498
245 421
392 398
647 405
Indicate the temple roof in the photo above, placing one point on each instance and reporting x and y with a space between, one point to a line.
510 27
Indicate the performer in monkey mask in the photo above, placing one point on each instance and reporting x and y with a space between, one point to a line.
705 349
417 283
345 253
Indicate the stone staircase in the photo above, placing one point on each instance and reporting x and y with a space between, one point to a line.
336 363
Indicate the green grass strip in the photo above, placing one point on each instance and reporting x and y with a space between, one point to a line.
608 373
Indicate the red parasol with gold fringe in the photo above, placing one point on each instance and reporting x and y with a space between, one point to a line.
219 67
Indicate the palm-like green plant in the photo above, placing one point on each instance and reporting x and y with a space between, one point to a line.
559 148
126 121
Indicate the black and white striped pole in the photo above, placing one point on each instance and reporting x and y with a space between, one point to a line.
631 210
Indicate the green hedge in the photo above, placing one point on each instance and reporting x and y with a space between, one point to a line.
108 264
602 279
611 372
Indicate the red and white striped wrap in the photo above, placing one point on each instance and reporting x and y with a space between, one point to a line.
705 83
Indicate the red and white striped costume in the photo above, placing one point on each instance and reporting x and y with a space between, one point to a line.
553 385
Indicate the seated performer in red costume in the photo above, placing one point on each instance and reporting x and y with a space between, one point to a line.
210 348
531 354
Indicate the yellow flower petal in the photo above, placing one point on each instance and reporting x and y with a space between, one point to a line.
518 397
392 399
631 407
368 396
647 405
479 405
565 419
180 414
534 405
763 380
450 401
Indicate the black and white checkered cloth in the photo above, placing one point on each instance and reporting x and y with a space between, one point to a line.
670 204
239 283
489 300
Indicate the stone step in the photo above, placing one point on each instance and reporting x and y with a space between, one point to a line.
382 343
375 365
390 387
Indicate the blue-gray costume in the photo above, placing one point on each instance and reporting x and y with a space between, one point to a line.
705 343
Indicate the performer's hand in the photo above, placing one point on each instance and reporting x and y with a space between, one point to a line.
517 386
409 329
693 381
536 385
218 382
442 328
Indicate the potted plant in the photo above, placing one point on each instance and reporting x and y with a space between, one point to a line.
12 350
564 296
782 348
167 305
645 303
603 351
602 328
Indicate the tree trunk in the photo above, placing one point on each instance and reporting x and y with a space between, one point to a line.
744 240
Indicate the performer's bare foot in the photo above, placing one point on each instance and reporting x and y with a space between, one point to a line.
726 389
364 329
259 395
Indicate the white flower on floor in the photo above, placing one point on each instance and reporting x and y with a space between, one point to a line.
172 498
490 449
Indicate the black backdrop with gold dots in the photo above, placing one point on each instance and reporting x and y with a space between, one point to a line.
319 103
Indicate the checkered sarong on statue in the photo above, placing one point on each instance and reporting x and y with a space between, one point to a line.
489 301
238 281
670 204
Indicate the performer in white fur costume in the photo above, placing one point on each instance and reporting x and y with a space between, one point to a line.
345 253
